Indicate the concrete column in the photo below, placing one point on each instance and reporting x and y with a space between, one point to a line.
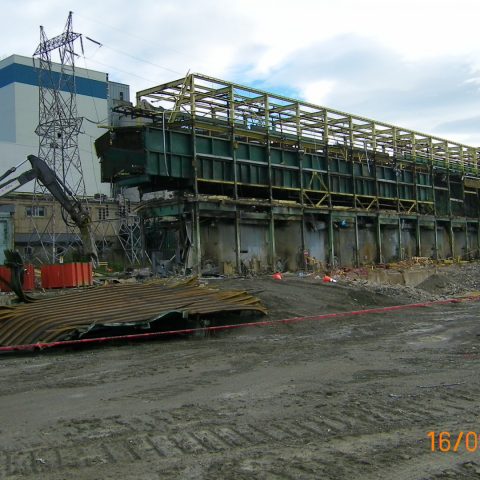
467 242
273 253
478 240
238 245
197 245
400 254
357 243
452 237
331 246
379 241
302 236
418 238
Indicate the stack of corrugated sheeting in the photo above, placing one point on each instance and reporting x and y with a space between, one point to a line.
117 309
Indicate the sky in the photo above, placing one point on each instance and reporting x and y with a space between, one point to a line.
415 64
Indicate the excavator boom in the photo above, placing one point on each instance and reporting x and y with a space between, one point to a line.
45 175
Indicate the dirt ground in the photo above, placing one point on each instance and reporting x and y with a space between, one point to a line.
342 398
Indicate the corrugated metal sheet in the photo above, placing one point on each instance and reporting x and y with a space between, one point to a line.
118 91
114 309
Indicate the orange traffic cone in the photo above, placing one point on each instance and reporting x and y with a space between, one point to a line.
328 279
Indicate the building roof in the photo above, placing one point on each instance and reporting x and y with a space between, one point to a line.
46 238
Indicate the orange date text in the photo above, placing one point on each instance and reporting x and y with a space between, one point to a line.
453 442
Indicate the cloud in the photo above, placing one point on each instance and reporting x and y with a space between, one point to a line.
317 92
464 125
355 74
412 65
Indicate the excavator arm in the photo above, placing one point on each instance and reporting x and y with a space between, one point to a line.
45 175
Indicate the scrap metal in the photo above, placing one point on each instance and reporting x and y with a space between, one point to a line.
114 309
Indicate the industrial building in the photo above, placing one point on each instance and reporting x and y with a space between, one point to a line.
24 222
19 113
25 219
260 182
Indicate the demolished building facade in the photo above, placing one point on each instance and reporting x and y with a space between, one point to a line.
253 181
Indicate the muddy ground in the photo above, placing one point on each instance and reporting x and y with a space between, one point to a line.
347 397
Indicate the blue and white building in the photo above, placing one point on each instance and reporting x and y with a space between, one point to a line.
19 114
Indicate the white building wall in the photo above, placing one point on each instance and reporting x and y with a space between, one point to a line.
7 114
19 113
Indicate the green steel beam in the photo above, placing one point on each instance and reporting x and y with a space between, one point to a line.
149 91
206 95
279 103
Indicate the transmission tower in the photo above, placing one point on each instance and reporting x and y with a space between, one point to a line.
58 129
128 229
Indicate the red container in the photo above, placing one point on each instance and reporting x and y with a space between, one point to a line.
67 275
28 279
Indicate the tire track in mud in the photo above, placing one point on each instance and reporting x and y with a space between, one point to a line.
464 471
360 432
338 429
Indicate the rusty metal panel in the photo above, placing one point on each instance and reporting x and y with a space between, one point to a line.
115 308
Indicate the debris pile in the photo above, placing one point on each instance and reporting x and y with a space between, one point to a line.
116 309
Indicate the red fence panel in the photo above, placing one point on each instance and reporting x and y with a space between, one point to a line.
28 279
67 275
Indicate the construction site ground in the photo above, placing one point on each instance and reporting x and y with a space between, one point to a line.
339 398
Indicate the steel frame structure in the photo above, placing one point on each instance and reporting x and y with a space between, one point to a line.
209 99
239 152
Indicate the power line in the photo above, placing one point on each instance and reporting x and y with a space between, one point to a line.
141 59
125 33
91 96
118 69
129 55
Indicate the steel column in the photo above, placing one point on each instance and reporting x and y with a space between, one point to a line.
196 210
231 118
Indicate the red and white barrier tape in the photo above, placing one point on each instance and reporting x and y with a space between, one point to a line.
265 323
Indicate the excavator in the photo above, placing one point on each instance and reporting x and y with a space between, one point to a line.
47 177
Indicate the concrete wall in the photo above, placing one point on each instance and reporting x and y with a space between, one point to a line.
344 245
409 241
444 246
218 242
7 115
367 244
288 244
472 242
316 242
427 241
255 245
460 242
390 247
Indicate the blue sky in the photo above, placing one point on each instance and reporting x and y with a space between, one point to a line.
412 63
